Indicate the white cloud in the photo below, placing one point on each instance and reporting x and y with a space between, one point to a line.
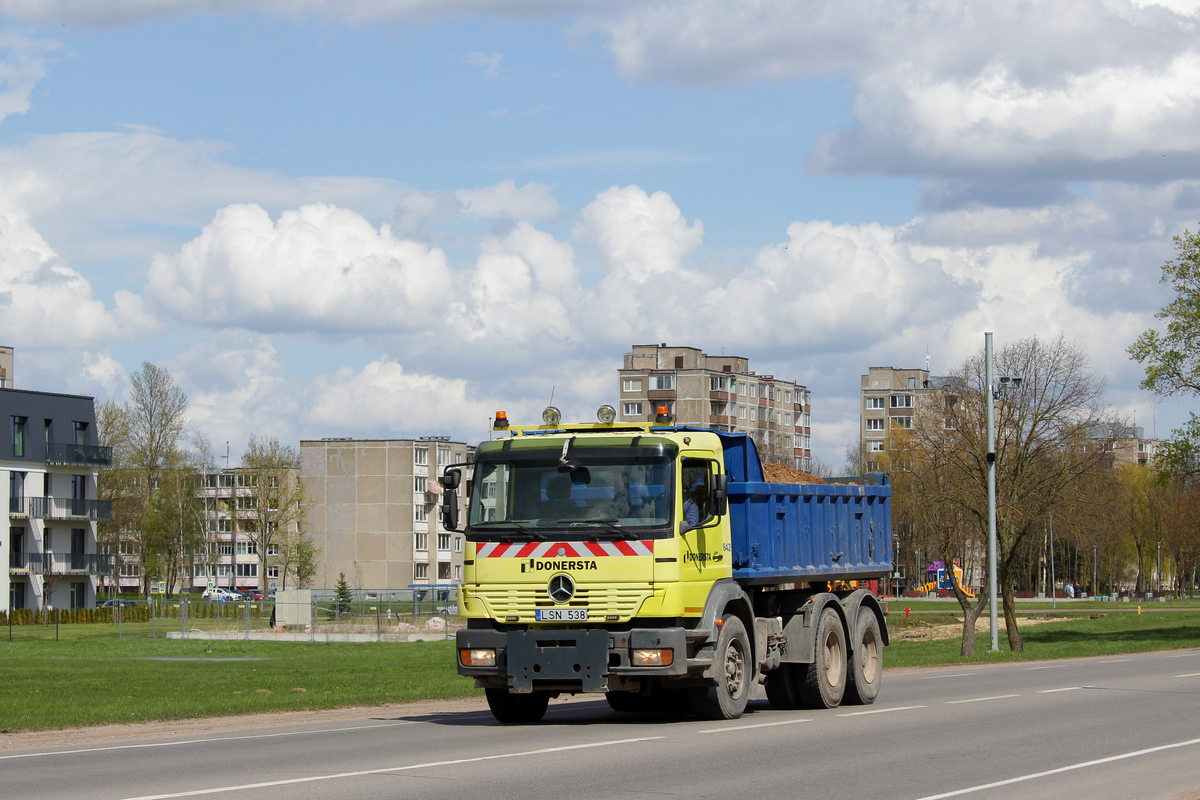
22 67
491 63
317 268
418 210
48 306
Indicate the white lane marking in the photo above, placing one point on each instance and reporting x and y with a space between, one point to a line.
1048 666
759 725
981 699
1188 675
1115 661
385 770
955 675
1081 765
143 745
1184 655
1064 689
880 711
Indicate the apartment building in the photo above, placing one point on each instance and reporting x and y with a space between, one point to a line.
890 399
720 392
50 451
374 511
1126 444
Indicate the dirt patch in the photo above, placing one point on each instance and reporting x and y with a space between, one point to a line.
778 473
920 632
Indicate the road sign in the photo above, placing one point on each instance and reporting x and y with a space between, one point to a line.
162 587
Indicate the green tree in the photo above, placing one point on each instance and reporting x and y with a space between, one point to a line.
272 497
343 598
1171 357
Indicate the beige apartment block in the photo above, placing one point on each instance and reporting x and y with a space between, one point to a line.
890 400
374 512
719 392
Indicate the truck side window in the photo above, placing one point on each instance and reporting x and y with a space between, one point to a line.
696 480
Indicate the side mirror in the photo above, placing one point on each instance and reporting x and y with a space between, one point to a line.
720 494
450 482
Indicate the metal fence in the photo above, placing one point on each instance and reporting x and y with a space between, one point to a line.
406 615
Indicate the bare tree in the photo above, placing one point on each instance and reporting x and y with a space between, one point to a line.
274 498
1052 431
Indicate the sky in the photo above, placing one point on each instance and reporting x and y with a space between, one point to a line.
391 218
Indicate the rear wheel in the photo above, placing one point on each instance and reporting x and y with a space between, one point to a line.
517 708
824 681
735 675
866 660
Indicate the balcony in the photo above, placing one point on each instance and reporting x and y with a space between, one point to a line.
65 508
92 455
60 563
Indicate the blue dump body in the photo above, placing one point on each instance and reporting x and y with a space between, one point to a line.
787 532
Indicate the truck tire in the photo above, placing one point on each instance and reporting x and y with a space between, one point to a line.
517 709
781 686
824 681
625 702
735 675
866 661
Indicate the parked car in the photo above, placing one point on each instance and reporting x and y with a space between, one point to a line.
254 594
221 595
122 602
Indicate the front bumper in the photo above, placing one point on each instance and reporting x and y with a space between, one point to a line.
571 660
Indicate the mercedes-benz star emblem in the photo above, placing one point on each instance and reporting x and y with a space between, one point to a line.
561 588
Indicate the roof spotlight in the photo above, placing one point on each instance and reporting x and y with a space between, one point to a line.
551 416
606 414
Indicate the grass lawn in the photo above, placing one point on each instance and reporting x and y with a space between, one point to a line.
90 677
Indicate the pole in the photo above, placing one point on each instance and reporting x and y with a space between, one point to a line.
1053 595
1158 568
991 491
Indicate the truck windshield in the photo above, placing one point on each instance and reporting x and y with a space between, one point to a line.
622 497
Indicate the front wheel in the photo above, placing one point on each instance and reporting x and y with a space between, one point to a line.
517 709
735 675
866 660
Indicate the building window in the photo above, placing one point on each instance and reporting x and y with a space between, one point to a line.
875 447
458 544
421 456
272 572
443 541
741 412
902 401
247 480
81 432
419 483
874 402
901 422
806 420
227 480
247 503
787 397
421 572
443 456
458 573
131 570
875 424
742 389
718 384
18 436
421 541
787 419
420 512
662 383
754 390
804 441
247 549
444 571
632 409
753 414
717 409
631 385
272 550
225 548
247 570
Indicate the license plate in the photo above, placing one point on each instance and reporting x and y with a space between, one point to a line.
561 615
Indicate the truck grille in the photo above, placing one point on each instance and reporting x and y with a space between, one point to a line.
522 601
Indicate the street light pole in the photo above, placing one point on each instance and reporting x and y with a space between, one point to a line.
991 491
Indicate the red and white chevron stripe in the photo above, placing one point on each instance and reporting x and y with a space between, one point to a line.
564 549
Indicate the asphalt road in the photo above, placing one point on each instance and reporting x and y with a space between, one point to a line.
1114 727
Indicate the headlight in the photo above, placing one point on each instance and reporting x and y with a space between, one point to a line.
551 416
606 414
477 658
653 658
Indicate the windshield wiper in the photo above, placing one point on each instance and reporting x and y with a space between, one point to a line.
525 533
606 523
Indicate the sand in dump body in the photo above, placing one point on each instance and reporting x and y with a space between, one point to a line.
778 473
